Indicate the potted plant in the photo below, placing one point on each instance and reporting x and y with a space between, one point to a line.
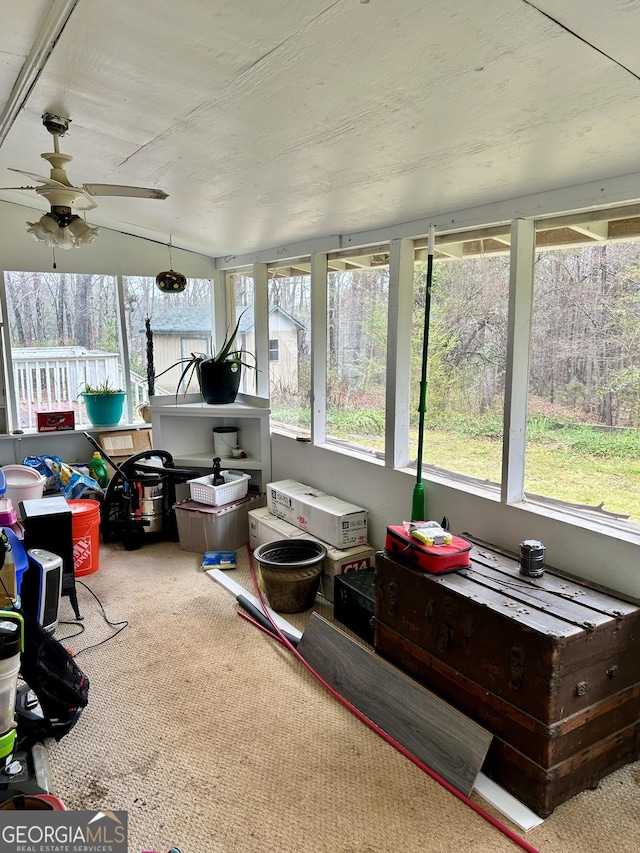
218 374
103 402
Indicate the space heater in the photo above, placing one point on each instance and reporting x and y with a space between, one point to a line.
41 588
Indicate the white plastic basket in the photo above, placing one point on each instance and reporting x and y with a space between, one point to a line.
235 486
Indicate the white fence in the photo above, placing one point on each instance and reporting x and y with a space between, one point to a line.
51 378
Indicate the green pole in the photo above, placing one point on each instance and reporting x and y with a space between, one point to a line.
417 507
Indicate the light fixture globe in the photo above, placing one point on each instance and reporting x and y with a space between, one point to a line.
61 229
170 281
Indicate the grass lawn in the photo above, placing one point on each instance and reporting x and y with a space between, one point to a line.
576 464
554 471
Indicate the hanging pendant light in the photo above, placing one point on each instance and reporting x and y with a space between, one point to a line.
170 281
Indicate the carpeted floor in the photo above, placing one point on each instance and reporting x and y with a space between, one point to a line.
216 740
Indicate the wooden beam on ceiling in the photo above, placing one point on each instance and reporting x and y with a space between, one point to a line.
359 262
624 229
562 232
597 230
630 211
561 237
449 250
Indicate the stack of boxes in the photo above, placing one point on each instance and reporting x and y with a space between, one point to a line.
295 510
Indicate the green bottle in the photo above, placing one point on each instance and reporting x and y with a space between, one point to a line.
99 469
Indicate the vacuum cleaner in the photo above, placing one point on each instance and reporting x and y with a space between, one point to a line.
140 496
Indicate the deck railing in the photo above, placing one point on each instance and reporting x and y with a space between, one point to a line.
51 378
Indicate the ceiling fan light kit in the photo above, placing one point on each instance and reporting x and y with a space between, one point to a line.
61 228
62 231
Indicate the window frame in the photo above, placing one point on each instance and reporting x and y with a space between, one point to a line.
519 239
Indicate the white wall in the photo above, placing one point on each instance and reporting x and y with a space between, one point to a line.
387 495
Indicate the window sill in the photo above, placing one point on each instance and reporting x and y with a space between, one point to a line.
78 430
579 518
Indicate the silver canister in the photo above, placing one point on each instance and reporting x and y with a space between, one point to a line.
532 558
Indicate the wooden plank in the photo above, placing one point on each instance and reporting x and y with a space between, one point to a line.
551 582
535 620
435 733
536 596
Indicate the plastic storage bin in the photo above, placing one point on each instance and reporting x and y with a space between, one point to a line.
235 486
215 528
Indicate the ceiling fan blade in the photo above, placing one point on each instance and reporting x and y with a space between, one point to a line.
2 189
84 202
46 181
120 190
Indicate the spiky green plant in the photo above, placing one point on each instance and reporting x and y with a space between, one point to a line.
192 364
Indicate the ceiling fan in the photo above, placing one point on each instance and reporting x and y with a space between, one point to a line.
61 227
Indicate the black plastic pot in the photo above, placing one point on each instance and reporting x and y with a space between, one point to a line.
219 380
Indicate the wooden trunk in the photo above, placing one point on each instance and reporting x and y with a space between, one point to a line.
550 666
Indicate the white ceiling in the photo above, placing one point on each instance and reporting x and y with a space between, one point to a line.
276 122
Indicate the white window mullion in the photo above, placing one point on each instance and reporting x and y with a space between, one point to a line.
517 368
401 267
319 347
10 400
261 316
222 312
123 345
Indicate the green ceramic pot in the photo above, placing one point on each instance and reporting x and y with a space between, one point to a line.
104 409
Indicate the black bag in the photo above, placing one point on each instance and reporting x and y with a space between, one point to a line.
58 682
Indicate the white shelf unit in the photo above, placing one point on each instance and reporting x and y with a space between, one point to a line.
185 429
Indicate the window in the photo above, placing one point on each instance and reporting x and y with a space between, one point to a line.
466 363
583 403
63 333
357 312
243 287
583 431
180 324
289 293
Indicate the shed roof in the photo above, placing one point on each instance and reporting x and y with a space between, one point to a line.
192 320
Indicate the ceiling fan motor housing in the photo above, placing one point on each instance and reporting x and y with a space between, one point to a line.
57 125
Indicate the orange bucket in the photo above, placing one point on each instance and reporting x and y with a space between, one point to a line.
85 532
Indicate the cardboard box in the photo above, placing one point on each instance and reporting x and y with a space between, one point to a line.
330 519
215 528
265 527
55 421
121 444
343 561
